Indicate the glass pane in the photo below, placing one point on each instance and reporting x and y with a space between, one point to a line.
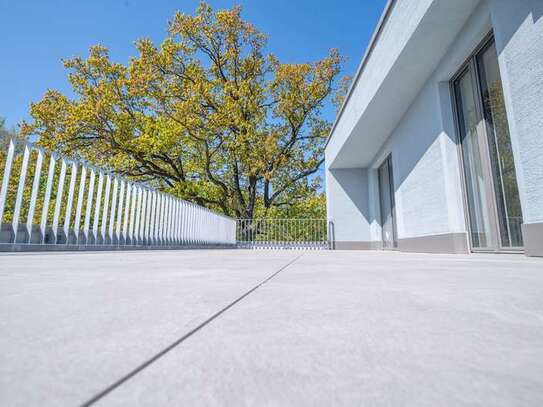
387 212
471 152
501 153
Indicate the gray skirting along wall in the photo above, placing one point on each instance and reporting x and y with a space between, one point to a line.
456 243
356 245
532 234
445 243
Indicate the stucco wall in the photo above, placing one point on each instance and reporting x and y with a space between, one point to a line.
425 158
518 29
347 204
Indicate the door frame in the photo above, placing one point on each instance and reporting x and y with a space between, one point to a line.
471 66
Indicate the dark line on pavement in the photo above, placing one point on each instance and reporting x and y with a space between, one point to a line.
174 344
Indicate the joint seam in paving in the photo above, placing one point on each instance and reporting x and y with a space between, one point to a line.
177 342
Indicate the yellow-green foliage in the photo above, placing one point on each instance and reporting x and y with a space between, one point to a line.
206 115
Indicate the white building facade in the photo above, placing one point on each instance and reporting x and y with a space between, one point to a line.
439 144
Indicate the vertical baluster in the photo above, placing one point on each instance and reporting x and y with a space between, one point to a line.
191 224
139 214
58 200
133 213
199 223
20 190
182 213
176 222
5 179
195 224
88 210
160 215
203 238
48 187
79 207
189 229
127 212
170 222
164 220
185 222
33 196
148 216
69 203
184 235
143 215
181 222
152 223
172 219
113 210
97 207
204 225
148 211
152 218
105 211
120 207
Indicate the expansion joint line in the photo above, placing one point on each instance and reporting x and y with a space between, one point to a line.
177 342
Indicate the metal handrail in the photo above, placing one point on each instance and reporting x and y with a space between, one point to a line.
283 233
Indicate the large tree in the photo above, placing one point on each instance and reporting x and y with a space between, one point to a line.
207 115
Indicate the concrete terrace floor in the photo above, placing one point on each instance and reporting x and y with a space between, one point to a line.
326 328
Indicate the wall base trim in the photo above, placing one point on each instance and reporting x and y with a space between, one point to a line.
532 234
444 243
455 243
356 245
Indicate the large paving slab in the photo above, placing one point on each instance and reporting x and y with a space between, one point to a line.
332 328
73 323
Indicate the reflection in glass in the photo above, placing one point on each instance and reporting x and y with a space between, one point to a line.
471 151
501 153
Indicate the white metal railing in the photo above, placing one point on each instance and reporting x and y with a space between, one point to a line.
72 203
283 234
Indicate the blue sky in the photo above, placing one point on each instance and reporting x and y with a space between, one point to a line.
36 34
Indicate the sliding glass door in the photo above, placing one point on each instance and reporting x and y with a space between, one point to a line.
386 201
493 201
